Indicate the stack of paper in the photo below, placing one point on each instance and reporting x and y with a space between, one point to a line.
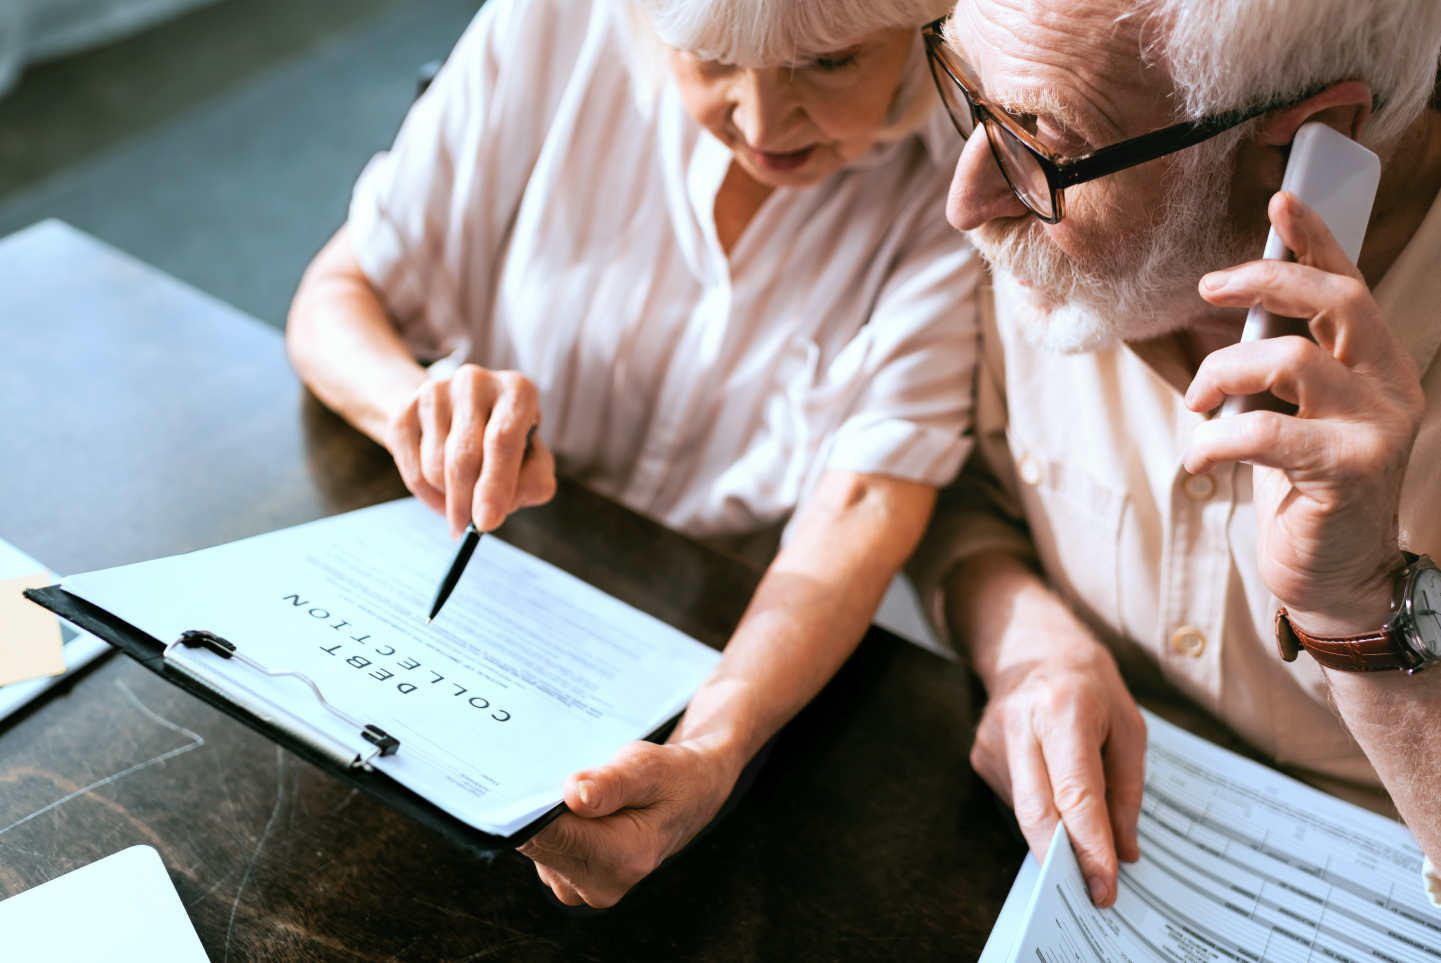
1238 863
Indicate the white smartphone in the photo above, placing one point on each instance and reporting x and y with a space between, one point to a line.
1336 177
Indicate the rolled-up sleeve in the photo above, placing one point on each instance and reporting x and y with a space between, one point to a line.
428 217
916 359
981 510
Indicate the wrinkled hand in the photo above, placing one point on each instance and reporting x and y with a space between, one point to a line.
1328 479
1062 739
461 446
625 818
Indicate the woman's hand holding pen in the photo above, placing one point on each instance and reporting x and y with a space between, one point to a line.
460 444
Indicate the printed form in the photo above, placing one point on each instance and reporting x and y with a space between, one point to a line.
527 675
1239 863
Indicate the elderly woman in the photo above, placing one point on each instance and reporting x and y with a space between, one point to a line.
701 245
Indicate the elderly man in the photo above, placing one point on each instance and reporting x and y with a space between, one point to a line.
1167 539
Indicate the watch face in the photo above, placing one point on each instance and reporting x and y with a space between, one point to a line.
1426 610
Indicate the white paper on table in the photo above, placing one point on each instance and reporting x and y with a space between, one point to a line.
1238 863
120 909
526 676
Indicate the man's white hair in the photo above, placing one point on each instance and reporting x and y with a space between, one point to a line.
1221 55
1227 54
769 33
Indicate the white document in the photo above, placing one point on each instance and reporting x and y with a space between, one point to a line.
527 675
120 909
81 648
1238 863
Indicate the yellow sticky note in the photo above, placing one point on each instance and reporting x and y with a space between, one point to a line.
30 644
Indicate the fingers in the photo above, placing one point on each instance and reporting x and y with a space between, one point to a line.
472 392
559 885
1292 291
1032 797
1125 768
1305 233
433 407
404 440
1078 785
595 861
634 779
514 411
619 829
1265 439
1294 369
537 477
1322 286
464 447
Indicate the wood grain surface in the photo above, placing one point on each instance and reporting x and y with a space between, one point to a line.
139 418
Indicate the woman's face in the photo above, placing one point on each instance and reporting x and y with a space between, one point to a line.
794 124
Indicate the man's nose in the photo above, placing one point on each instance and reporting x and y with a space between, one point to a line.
765 107
979 191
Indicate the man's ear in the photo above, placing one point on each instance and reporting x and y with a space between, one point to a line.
1345 106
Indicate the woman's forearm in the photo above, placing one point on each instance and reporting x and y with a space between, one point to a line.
344 346
809 613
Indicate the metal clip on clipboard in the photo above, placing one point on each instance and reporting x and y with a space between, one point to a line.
385 744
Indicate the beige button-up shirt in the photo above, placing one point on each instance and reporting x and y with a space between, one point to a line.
1086 450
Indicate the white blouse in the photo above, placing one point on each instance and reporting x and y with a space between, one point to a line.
537 214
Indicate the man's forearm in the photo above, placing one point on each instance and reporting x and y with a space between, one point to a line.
1005 616
1397 720
809 613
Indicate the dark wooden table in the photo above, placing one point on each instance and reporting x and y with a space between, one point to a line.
139 418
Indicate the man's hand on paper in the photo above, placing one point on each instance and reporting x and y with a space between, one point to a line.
461 446
1328 479
1061 737
625 818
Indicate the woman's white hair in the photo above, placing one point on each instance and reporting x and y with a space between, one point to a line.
768 33
1227 54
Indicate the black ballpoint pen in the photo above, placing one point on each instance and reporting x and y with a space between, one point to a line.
463 553
457 568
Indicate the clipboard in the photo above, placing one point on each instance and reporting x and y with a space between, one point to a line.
150 652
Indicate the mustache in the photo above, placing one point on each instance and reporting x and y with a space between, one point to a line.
1020 247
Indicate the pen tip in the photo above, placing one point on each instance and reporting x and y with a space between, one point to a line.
427 621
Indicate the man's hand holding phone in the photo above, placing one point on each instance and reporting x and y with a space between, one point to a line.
1328 479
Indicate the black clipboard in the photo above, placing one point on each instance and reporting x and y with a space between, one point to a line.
148 651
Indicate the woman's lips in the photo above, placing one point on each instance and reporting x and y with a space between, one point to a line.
780 162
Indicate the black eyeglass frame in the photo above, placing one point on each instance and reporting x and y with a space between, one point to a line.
1062 172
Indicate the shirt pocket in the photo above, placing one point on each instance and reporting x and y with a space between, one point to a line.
1075 521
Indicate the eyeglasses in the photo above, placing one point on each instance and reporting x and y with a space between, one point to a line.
1039 176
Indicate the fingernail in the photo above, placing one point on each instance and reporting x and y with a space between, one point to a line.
1216 280
1301 210
586 790
1098 889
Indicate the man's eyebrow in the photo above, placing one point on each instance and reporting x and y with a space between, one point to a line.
1035 101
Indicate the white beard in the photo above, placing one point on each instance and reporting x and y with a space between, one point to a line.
1139 288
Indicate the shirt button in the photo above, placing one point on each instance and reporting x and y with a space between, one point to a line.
1188 640
1198 488
1030 470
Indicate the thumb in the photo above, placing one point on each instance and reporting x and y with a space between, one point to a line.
627 781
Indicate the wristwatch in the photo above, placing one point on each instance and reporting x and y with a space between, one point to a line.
1410 639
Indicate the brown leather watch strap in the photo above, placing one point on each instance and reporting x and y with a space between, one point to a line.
1374 652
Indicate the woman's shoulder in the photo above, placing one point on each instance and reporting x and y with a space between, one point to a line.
540 36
